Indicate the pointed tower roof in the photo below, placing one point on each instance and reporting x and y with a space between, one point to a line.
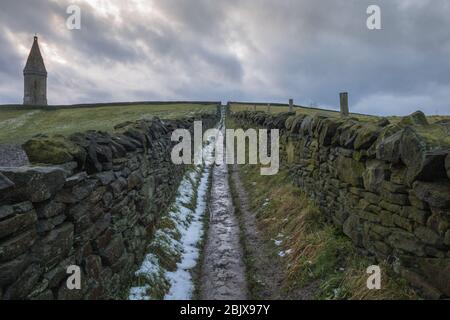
35 63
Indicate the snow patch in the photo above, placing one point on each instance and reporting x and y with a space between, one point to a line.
189 231
284 253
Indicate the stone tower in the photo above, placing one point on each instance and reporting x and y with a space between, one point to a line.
35 78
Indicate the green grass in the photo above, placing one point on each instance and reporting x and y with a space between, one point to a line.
18 125
320 252
327 113
299 110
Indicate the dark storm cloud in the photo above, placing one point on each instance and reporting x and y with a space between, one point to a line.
250 50
9 58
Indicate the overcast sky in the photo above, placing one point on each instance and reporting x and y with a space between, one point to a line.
252 50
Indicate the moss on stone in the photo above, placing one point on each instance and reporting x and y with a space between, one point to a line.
434 135
350 171
52 150
417 118
366 136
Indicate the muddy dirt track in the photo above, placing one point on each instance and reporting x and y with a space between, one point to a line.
223 273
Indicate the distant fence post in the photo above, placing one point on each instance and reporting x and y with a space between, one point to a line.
228 108
291 105
268 108
344 103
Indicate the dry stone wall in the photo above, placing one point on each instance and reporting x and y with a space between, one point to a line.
93 201
386 185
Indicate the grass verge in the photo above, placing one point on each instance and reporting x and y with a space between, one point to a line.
312 249
254 286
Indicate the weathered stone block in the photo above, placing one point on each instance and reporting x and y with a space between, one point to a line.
421 283
10 271
415 214
107 199
93 266
56 245
135 180
35 183
102 224
398 174
53 150
388 145
416 202
25 283
369 216
127 143
95 197
50 209
394 187
17 223
23 207
119 186
76 193
447 238
432 252
103 240
56 274
428 236
395 208
387 218
45 225
434 271
113 251
395 198
366 136
403 223
350 171
79 210
327 131
423 163
417 118
84 189
97 211
439 221
106 177
17 245
375 174
436 194
75 179
6 211
6 185
405 241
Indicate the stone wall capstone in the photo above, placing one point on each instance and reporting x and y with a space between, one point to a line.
92 200
386 185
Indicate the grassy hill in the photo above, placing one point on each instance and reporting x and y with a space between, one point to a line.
328 113
18 124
